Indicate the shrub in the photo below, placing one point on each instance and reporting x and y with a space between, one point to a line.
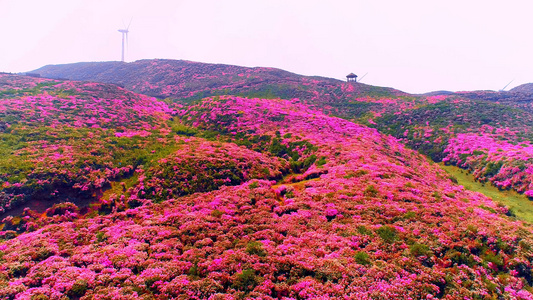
363 230
61 209
255 248
409 215
459 258
193 271
417 249
101 237
362 258
182 129
78 288
133 203
493 168
371 191
321 161
453 179
42 254
387 233
245 281
217 213
472 228
493 258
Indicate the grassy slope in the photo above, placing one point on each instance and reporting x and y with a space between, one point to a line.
517 203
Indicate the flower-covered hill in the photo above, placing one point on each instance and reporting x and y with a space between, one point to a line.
186 80
526 88
519 97
63 139
11 84
424 122
489 139
356 216
71 141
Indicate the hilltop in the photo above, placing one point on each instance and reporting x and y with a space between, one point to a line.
268 185
526 88
179 79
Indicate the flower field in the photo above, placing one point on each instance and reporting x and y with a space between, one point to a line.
424 122
490 140
235 197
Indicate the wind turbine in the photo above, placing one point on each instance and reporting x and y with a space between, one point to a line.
124 36
503 90
362 77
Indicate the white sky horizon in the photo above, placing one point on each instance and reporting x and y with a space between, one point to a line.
416 46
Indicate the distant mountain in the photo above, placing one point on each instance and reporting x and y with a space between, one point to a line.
526 88
438 93
180 79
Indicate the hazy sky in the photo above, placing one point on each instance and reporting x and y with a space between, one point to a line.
411 45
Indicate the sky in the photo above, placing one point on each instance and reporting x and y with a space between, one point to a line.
415 46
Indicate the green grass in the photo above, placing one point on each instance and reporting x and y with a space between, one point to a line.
519 204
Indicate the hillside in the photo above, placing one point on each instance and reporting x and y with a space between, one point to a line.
526 88
180 79
234 196
428 123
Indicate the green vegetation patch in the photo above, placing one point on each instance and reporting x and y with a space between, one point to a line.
519 205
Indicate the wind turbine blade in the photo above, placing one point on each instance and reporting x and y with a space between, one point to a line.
123 24
362 77
129 24
507 85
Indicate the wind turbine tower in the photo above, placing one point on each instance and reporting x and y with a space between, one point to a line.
124 37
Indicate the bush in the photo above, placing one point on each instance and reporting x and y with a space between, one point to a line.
255 248
387 233
409 215
417 249
371 191
362 258
363 230
245 281
321 161
101 236
493 168
494 258
459 258
61 209
78 288
453 179
217 213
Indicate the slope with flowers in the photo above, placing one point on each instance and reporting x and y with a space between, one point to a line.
491 140
187 80
302 205
66 137
70 141
429 123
